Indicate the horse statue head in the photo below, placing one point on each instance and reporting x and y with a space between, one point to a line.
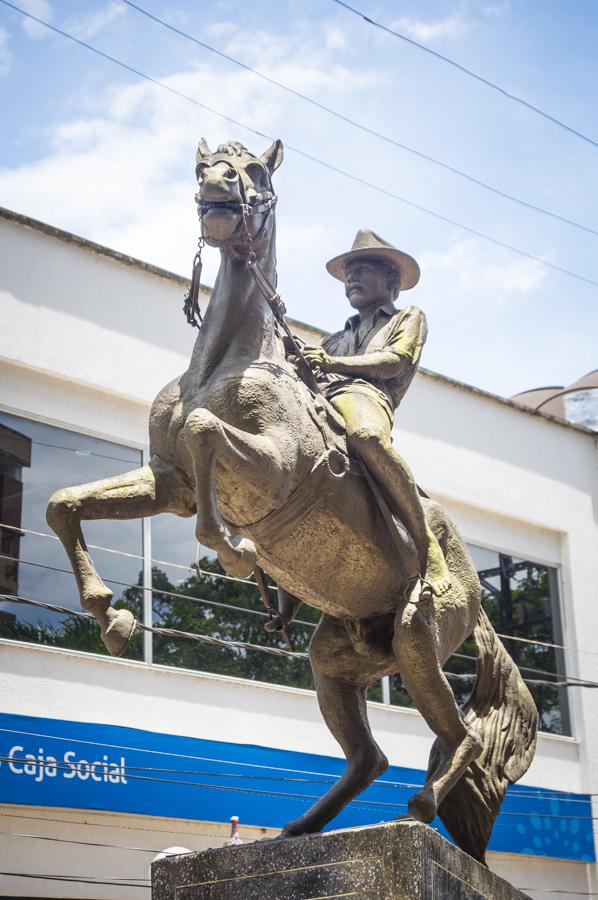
235 196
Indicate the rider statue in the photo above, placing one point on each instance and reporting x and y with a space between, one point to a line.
364 371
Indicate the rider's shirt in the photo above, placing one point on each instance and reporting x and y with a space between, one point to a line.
402 331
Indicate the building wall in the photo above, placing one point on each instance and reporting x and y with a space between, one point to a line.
87 339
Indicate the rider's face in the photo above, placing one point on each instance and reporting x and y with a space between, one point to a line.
367 284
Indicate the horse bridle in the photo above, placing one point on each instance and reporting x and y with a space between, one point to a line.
261 202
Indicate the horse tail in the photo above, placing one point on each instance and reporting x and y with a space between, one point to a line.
501 709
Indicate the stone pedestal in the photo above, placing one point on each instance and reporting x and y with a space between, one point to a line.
397 861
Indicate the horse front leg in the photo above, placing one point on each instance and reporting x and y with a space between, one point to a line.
154 488
342 677
211 442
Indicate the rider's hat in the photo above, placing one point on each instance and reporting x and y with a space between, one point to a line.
368 245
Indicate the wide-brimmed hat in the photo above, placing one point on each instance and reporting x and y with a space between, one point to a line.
368 245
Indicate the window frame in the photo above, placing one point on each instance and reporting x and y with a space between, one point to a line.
558 593
146 545
557 605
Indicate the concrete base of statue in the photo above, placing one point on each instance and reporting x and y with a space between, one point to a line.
402 860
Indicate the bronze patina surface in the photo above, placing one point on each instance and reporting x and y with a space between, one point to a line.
247 447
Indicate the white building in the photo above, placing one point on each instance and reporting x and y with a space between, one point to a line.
177 737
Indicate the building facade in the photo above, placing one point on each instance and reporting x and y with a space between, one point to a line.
104 762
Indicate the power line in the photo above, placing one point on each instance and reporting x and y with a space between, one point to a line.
538 795
158 562
111 825
118 881
144 883
150 589
164 632
359 125
57 840
466 71
206 572
550 794
263 648
305 155
366 804
73 879
234 608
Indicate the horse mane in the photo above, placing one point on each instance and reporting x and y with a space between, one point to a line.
234 148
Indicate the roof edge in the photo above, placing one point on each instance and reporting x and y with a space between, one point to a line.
125 259
69 238
505 401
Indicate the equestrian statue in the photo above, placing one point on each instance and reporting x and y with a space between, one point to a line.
283 454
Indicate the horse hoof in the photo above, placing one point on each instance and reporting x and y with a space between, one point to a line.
240 558
117 634
422 807
296 828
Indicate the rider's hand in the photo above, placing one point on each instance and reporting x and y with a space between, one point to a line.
317 357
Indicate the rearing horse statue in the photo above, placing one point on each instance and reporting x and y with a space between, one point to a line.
244 444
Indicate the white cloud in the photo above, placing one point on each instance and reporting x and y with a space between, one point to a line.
497 10
453 26
221 29
86 27
41 9
123 173
5 55
336 39
470 268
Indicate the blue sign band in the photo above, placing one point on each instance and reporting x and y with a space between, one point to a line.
57 763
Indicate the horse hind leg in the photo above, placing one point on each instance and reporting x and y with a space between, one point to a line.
342 677
154 488
459 744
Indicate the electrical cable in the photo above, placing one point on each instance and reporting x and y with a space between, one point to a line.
145 883
160 562
119 881
141 587
57 840
359 125
111 825
467 71
273 651
133 827
207 639
163 632
366 804
209 574
304 154
73 879
536 795
370 804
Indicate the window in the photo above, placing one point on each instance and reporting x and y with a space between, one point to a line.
218 606
522 602
520 596
36 460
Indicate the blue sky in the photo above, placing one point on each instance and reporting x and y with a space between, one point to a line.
91 148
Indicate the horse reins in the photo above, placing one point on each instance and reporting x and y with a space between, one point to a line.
264 202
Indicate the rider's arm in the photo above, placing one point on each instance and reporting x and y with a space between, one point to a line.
379 365
401 351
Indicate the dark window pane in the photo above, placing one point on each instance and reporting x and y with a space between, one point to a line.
522 602
219 607
35 460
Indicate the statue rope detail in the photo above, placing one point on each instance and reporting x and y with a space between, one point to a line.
256 454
